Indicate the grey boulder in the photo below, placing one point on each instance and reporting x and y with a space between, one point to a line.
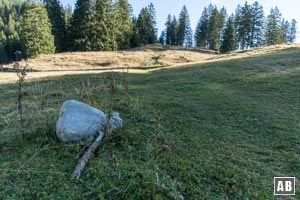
78 121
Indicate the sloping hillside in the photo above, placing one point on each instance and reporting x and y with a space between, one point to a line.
142 58
218 129
135 60
138 60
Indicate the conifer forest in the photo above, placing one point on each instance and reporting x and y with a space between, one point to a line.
39 27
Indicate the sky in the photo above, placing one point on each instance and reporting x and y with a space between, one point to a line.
288 8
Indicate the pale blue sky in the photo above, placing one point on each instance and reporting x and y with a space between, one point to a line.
288 8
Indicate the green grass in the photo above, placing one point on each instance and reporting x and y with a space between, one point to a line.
220 130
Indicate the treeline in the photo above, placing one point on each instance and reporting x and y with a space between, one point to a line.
34 27
245 29
45 26
10 13
26 27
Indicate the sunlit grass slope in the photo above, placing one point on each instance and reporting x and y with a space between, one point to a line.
220 129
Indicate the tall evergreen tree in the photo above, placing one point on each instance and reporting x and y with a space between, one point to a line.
135 40
237 21
3 53
57 18
273 32
145 27
184 31
257 21
102 30
122 23
152 12
201 32
12 35
181 26
228 40
285 27
188 40
221 21
168 30
171 30
244 25
35 31
292 31
214 29
3 39
80 27
10 12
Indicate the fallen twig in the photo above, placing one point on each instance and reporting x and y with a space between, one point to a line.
86 156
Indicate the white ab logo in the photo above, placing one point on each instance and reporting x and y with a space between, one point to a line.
284 186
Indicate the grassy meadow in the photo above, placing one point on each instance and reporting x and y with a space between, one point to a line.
206 127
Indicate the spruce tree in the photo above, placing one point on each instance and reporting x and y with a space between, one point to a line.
237 21
201 32
152 12
184 31
213 29
12 35
35 30
102 31
57 18
228 40
145 27
3 40
221 22
273 32
285 27
171 30
181 26
10 12
123 24
80 26
174 33
135 40
292 31
244 25
168 30
188 38
3 53
257 21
